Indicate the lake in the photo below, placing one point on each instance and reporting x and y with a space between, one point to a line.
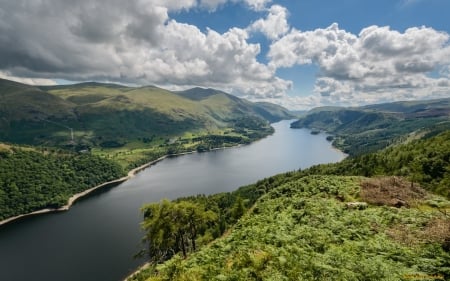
98 237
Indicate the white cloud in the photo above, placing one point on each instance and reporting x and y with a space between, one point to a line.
274 25
129 42
377 65
258 5
137 42
212 4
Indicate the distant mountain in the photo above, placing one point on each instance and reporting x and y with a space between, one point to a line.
369 128
268 111
199 94
422 108
23 102
98 112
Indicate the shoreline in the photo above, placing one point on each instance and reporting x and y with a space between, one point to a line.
79 195
139 269
129 175
72 199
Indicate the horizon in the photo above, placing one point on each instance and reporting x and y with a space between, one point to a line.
72 83
299 55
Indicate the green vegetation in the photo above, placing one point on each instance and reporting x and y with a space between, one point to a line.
302 225
424 161
370 128
130 125
109 125
172 227
31 180
303 230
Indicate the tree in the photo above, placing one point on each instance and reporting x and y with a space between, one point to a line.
172 227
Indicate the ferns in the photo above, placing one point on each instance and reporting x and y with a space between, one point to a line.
300 231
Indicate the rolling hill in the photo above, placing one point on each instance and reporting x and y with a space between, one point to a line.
365 129
114 114
327 222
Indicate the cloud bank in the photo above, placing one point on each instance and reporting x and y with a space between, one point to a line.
378 64
137 42
130 42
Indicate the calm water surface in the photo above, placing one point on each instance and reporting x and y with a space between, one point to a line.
97 238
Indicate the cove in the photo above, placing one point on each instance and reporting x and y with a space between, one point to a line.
98 237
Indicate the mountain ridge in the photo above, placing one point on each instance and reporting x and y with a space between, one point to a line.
358 130
30 114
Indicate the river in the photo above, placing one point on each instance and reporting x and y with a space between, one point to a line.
98 237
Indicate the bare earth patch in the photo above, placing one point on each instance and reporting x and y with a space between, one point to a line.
437 230
391 191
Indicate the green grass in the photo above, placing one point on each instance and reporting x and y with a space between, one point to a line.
370 128
298 226
301 231
108 115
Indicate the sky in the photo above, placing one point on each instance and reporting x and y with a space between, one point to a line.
297 53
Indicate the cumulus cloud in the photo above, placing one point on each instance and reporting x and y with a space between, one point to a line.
378 64
274 25
130 42
137 42
258 5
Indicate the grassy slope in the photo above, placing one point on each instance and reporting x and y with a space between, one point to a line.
127 124
370 128
107 112
299 228
124 125
302 230
425 161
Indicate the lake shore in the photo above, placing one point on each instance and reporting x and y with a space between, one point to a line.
79 195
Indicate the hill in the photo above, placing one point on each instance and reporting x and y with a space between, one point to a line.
34 179
328 222
268 111
369 128
306 229
131 125
82 135
107 113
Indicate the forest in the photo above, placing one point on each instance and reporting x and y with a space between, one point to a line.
31 179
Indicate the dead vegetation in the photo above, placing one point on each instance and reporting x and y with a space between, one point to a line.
5 147
437 230
391 191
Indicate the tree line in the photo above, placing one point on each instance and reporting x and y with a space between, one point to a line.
32 180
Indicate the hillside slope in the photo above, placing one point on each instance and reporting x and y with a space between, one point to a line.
424 161
366 129
302 230
32 179
298 224
114 114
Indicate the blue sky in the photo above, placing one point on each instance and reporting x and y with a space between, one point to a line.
299 54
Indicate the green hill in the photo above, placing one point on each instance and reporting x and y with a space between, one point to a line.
424 161
131 125
304 229
107 113
369 128
318 224
33 179
114 127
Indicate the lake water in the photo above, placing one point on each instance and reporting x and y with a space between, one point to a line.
98 237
